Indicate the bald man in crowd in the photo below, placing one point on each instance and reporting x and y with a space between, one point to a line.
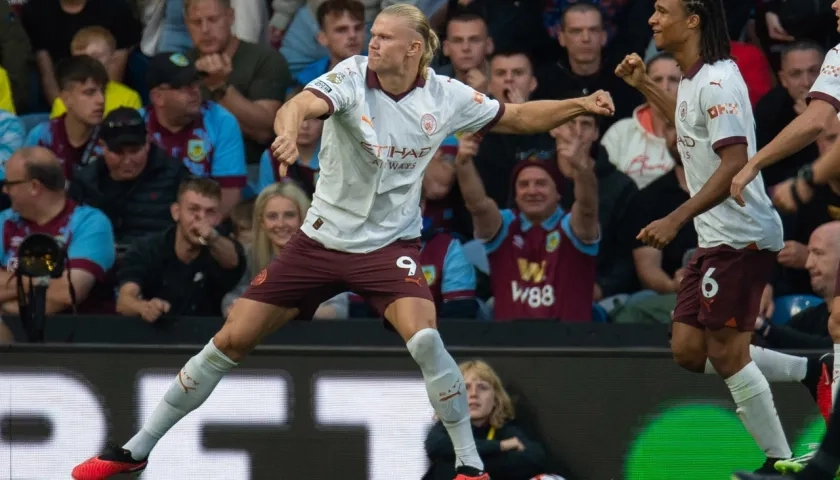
808 329
35 184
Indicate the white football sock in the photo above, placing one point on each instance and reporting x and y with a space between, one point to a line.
775 366
836 376
752 395
447 392
193 385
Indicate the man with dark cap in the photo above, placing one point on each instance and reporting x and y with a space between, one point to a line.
134 182
203 135
542 258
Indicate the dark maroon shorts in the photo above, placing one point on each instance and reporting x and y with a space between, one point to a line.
306 273
722 287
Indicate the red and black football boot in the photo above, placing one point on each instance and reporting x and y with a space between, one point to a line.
114 461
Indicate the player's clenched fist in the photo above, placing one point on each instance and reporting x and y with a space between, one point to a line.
284 149
600 103
659 233
632 70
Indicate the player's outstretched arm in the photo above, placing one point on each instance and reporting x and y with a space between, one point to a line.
541 116
487 219
303 106
798 134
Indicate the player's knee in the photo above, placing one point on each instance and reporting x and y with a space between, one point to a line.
425 346
235 347
688 356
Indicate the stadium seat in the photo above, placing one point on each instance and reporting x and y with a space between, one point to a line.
474 251
790 305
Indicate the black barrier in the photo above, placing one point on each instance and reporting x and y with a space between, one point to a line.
195 331
355 413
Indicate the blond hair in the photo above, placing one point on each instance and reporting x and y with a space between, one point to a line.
502 411
262 250
84 37
418 21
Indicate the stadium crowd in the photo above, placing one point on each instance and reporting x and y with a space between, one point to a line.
137 132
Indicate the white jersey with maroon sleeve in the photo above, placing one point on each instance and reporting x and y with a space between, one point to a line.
714 111
827 85
375 148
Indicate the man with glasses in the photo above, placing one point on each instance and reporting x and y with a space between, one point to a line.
35 184
72 137
203 135
134 182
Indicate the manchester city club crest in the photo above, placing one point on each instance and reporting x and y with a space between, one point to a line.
552 241
683 110
430 272
429 123
196 151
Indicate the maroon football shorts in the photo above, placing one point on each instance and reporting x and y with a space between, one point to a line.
722 287
306 273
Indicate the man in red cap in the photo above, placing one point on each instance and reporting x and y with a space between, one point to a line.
542 258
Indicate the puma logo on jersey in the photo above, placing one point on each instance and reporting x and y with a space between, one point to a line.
367 120
717 83
413 280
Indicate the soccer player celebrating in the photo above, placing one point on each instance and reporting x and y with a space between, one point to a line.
718 300
387 114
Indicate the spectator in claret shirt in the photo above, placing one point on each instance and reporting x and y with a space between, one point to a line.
542 257
73 137
35 184
203 135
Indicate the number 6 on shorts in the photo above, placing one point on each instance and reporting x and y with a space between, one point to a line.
709 286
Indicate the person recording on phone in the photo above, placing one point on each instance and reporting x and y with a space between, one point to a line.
35 184
186 269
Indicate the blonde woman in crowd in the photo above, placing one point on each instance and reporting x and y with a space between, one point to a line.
278 213
506 452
